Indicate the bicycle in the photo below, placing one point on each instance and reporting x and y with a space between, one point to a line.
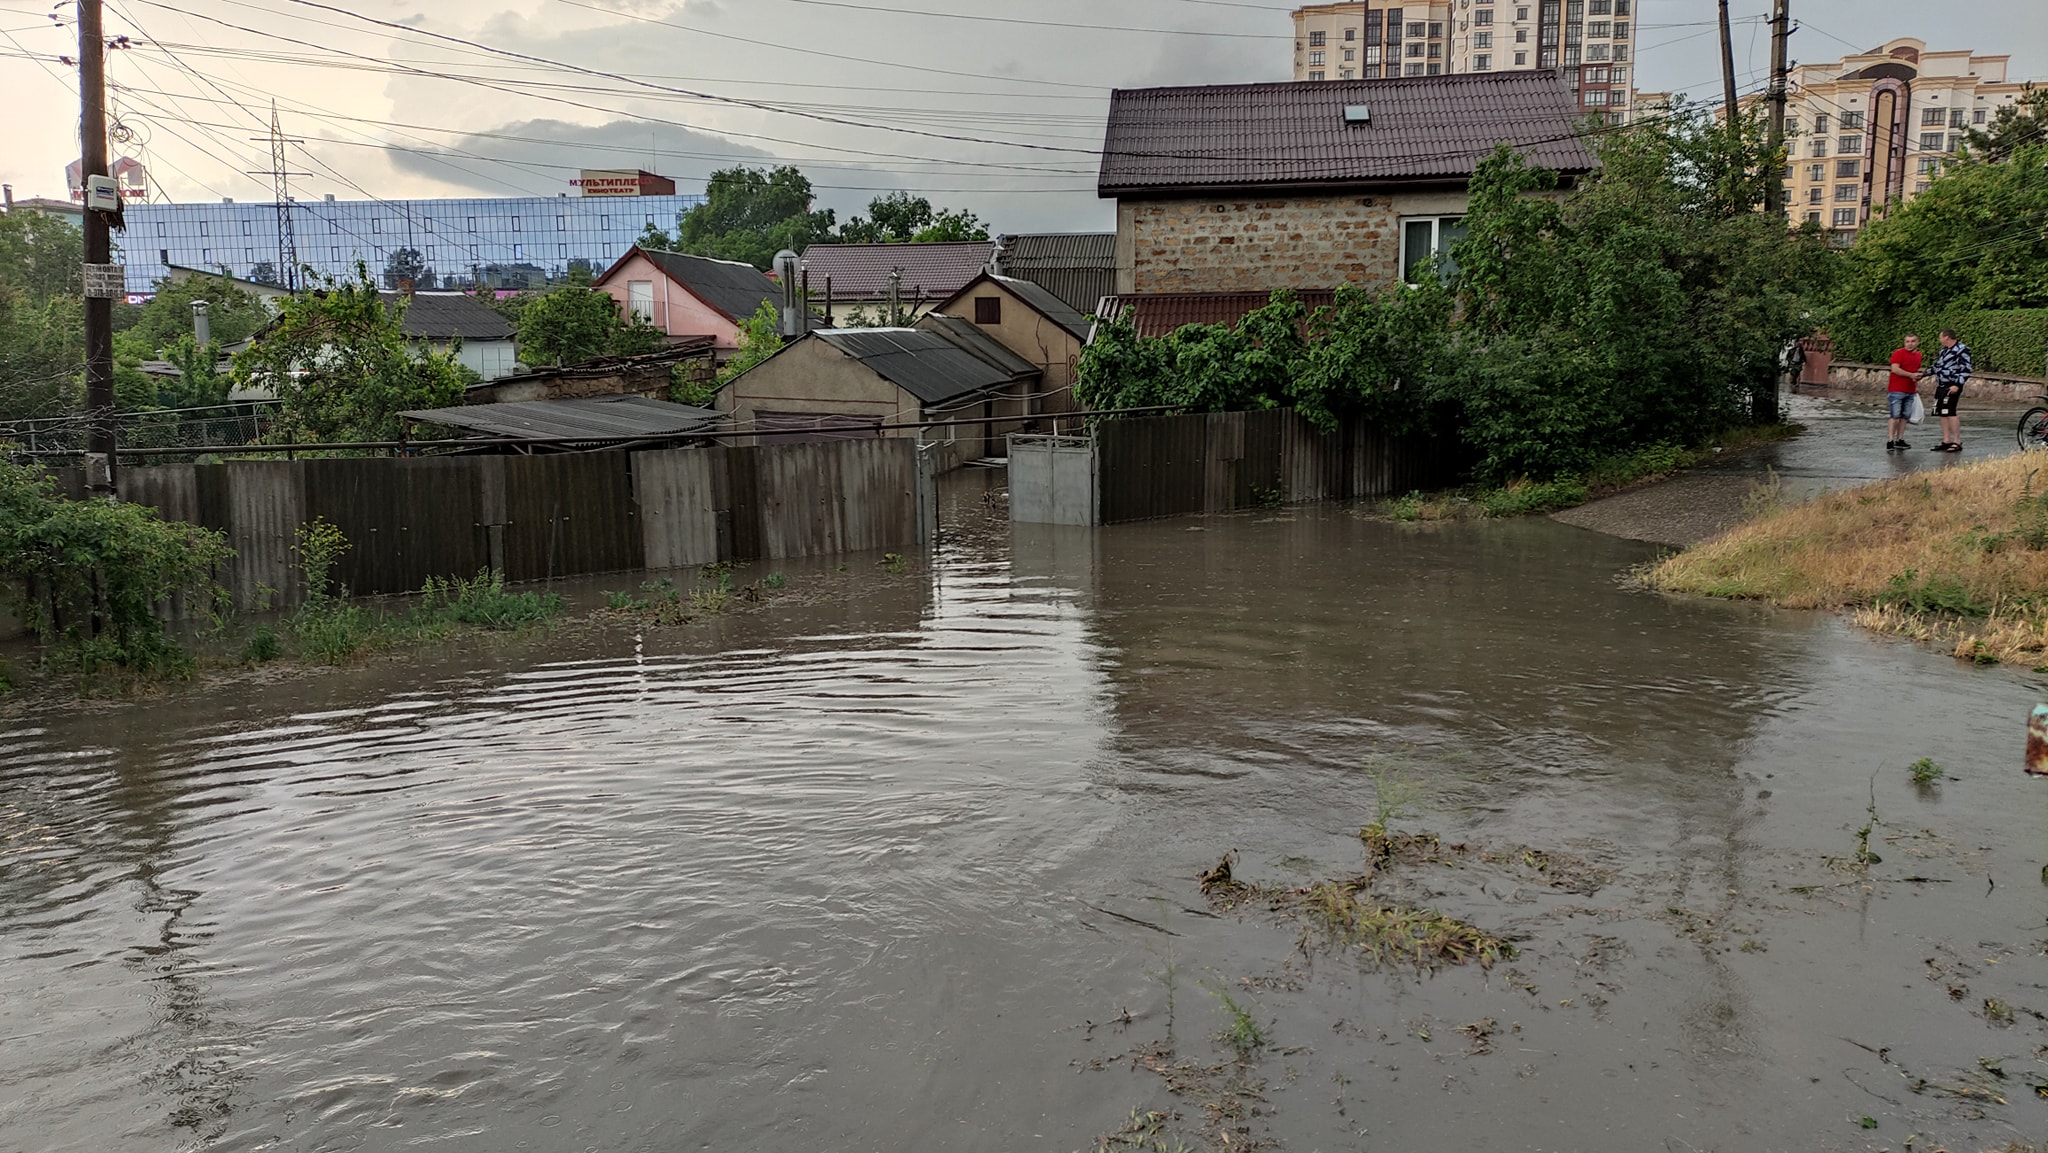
2034 428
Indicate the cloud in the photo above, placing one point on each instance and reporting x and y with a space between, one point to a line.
534 154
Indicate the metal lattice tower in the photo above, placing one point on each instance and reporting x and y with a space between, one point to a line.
287 241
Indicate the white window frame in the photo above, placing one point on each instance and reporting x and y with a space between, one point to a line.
1440 241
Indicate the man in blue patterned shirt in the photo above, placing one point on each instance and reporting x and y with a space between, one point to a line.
1951 371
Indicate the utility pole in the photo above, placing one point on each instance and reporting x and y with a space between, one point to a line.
99 252
1727 68
1774 174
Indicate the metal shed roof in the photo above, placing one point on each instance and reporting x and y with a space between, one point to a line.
1077 267
1411 128
584 418
734 288
930 365
861 271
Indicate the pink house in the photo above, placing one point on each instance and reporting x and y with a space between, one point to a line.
685 295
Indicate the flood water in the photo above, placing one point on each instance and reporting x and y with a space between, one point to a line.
885 870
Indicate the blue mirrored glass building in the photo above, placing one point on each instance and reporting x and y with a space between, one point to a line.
506 243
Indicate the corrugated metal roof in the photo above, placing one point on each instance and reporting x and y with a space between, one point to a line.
968 335
1296 133
444 315
584 418
861 271
1161 313
734 288
932 366
1077 267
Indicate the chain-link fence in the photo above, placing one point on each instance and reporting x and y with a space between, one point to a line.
211 426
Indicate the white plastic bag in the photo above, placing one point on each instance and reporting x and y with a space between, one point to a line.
1915 411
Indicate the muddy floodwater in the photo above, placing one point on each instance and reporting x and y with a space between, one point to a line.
915 866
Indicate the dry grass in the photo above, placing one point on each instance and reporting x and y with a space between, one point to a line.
1956 558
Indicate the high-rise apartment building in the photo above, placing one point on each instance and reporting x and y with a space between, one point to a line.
1875 127
1588 41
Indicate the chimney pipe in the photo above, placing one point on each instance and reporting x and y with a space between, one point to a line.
202 329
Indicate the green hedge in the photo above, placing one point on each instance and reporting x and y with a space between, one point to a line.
2012 340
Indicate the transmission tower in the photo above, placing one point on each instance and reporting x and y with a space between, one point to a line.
287 240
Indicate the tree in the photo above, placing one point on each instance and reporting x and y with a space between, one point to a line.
574 323
342 368
42 315
900 218
749 214
2012 127
265 272
760 338
232 316
406 264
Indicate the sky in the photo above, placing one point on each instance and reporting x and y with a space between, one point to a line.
990 107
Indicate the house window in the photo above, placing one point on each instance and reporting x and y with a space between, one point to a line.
1621 51
1436 52
202 228
205 256
334 254
1814 195
1816 172
1847 192
1521 35
1977 116
1315 40
1415 31
1315 59
561 224
1929 166
1621 7
1316 75
1521 13
1845 218
1931 141
1436 30
376 224
1482 40
1819 147
1596 51
1852 122
1344 73
1483 18
1597 98
1412 70
515 224
1600 7
1919 186
988 310
472 224
518 251
1955 141
1372 56
1350 34
1849 144
163 256
1521 59
1621 29
248 256
1350 54
1482 63
1571 55
1594 75
1848 169
1600 30
1425 236
563 254
1820 124
1436 69
1415 49
1620 74
640 299
1930 116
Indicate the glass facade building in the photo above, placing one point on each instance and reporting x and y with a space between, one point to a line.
503 242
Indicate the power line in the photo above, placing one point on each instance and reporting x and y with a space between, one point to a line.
1041 23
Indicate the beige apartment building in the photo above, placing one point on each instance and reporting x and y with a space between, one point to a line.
1588 40
1876 127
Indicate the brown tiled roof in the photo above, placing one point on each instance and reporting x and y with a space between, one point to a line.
1421 128
861 271
1161 313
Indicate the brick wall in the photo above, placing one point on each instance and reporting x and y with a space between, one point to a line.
1253 244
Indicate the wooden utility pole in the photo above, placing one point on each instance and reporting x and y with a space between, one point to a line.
99 251
1727 68
1781 36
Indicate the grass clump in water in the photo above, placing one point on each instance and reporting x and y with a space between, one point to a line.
1957 559
1926 772
1243 1033
1347 914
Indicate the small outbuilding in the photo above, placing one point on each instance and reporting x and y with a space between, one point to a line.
1031 322
836 384
688 296
478 334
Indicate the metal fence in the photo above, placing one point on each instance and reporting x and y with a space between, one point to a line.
212 426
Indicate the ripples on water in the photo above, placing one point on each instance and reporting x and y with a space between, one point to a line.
823 888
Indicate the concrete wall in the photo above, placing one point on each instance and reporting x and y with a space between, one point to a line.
676 311
1852 377
813 377
1030 335
1240 243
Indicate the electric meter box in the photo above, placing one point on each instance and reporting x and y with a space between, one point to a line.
102 194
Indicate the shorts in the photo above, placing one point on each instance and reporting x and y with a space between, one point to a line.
1900 402
1945 398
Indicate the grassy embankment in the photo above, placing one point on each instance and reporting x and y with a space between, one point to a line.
1527 497
1956 558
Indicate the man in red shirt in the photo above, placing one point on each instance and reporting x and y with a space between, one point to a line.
1902 389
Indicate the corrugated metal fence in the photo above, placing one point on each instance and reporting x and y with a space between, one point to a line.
1214 462
540 517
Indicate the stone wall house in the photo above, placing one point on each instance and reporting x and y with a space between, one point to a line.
1252 187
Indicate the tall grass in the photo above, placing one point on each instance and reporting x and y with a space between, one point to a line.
1957 557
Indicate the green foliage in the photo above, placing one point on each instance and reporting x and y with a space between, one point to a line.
482 601
900 218
2008 340
1242 1031
342 367
1925 772
407 264
263 646
201 382
40 255
574 323
1934 593
760 337
774 580
1972 242
232 316
2013 127
750 214
42 316
95 573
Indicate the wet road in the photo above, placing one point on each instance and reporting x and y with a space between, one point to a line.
883 872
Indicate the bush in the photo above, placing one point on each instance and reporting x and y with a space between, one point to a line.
483 601
2010 340
96 573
